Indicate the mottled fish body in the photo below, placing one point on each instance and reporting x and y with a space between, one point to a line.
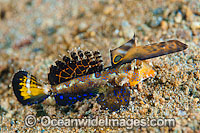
83 76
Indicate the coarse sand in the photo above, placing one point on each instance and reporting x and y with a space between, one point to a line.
33 34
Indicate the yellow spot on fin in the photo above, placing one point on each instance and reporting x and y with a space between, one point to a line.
119 53
27 89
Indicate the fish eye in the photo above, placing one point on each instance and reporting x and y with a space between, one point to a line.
117 59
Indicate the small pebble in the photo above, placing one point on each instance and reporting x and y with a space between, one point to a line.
158 11
108 10
164 25
51 31
146 28
196 100
156 20
195 25
82 27
92 34
182 113
189 13
127 30
178 17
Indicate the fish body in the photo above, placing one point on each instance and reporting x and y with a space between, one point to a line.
92 84
83 76
29 91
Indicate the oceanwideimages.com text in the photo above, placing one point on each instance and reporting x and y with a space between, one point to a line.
46 121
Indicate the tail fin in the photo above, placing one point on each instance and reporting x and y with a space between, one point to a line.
28 89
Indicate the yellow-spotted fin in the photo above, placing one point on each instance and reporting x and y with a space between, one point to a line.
141 71
28 89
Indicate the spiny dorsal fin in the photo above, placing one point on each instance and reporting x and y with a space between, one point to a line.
81 63
117 54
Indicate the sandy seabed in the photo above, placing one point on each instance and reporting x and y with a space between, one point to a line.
33 34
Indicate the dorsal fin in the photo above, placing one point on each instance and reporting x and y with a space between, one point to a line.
117 54
81 63
127 52
153 50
